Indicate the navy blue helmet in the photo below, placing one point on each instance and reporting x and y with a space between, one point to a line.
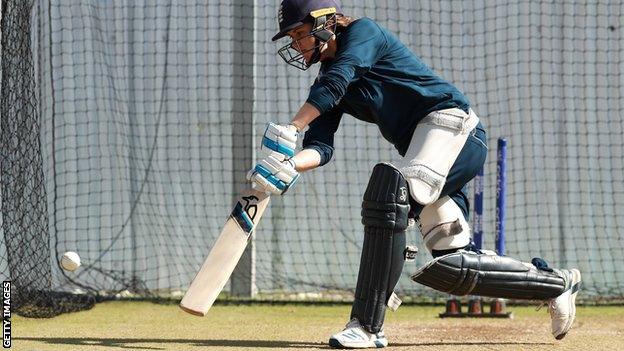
294 13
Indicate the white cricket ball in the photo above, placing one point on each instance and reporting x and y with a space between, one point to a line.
70 261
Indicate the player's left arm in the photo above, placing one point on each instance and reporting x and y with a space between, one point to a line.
283 138
306 114
278 172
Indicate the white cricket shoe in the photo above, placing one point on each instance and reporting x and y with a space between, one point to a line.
354 336
563 308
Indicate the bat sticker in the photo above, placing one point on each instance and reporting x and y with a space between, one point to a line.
244 215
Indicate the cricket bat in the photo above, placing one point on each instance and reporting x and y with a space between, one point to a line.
225 253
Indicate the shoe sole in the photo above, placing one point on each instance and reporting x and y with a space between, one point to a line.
334 343
576 274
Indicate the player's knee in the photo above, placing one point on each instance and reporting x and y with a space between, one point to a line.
386 200
443 227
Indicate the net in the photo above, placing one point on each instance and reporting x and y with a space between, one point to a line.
26 252
140 120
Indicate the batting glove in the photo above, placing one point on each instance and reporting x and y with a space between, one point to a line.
274 174
280 138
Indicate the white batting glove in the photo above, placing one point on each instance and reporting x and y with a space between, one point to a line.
280 138
274 174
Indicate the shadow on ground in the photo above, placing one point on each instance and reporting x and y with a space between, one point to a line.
269 344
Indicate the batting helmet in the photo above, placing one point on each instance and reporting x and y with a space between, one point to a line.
293 13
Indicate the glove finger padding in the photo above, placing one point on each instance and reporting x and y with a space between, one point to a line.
281 139
261 183
280 169
274 174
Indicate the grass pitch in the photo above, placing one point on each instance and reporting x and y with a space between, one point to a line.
123 325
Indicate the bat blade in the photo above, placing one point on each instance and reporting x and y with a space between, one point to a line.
225 253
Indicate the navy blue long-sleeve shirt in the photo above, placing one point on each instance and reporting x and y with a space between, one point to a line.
377 79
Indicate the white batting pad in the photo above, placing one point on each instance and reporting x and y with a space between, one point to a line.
443 225
435 145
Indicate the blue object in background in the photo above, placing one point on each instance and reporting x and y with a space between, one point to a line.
501 161
477 221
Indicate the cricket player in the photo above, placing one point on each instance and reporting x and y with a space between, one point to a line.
366 72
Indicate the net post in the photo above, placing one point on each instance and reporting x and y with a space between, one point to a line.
501 165
477 219
498 307
475 303
243 280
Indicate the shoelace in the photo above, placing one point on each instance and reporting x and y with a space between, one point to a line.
543 303
553 311
539 307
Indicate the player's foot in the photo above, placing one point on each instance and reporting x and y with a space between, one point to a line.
354 336
563 308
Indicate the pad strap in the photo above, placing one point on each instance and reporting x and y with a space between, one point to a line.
452 119
443 226
441 232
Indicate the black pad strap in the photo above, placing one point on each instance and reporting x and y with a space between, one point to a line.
384 215
463 273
